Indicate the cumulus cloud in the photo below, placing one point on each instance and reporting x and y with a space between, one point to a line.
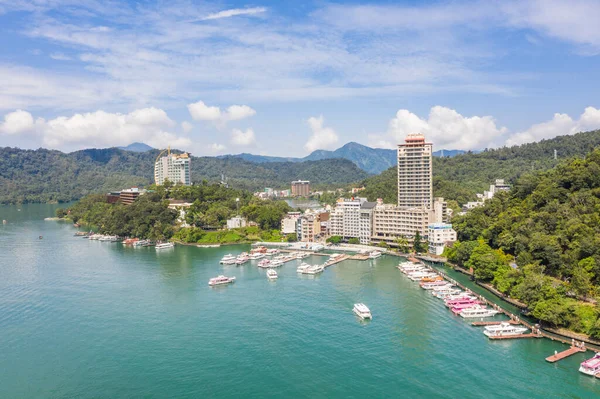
186 126
243 138
322 138
17 122
98 129
445 127
202 112
234 12
560 124
60 57
216 147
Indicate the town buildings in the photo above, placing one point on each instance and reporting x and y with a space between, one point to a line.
499 185
344 220
126 196
172 167
438 236
300 188
289 223
415 186
236 222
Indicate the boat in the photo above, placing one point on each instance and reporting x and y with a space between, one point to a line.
302 255
272 274
421 275
362 311
275 263
221 280
478 311
432 279
456 309
375 255
140 243
503 330
458 302
430 285
314 269
460 295
302 267
164 245
264 263
256 255
240 261
591 366
443 292
272 251
228 259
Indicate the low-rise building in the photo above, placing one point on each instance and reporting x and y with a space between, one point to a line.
309 227
129 195
439 235
289 223
236 222
344 220
391 222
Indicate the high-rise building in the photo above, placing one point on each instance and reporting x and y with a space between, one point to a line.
172 167
344 220
415 188
300 188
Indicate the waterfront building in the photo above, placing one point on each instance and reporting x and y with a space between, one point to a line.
236 222
391 222
290 222
438 236
415 187
172 167
344 220
365 228
308 227
300 188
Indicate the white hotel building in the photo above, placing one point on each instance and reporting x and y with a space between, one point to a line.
172 167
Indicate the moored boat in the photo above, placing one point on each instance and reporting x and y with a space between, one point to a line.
221 280
478 311
591 366
164 245
503 330
228 259
264 263
375 254
362 311
272 274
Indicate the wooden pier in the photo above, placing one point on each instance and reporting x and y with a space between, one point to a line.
561 355
336 261
359 257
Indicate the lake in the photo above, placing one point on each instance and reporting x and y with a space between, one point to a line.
89 319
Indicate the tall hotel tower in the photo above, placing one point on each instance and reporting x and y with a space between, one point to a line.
172 167
415 187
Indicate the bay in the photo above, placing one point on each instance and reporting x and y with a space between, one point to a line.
90 319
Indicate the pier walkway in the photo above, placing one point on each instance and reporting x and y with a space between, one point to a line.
561 355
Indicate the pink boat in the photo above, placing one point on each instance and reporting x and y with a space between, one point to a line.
457 302
459 308
591 366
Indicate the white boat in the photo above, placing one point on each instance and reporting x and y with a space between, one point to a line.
228 259
422 275
591 366
264 263
316 269
220 280
302 255
478 311
275 263
302 267
434 285
272 251
460 295
241 260
503 330
442 293
362 311
164 245
256 255
140 243
272 274
375 255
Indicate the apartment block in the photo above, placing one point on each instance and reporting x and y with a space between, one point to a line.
415 187
174 168
438 236
344 220
391 222
300 188
289 223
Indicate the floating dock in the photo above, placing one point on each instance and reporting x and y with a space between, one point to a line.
561 355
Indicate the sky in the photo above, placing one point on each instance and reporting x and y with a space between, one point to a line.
287 78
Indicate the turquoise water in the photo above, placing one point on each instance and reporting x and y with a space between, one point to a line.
88 319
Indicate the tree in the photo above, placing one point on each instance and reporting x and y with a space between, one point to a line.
293 237
403 245
418 245
581 281
485 261
334 240
354 241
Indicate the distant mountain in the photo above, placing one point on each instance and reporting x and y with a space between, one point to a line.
45 175
449 153
136 147
260 158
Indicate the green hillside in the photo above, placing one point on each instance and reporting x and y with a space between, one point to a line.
461 176
45 175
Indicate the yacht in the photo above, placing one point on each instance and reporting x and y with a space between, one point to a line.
302 255
362 311
228 259
302 268
431 285
458 302
264 263
257 255
421 275
140 243
241 260
164 245
276 263
456 309
220 280
444 292
478 311
460 295
272 251
272 274
316 269
374 255
591 366
503 330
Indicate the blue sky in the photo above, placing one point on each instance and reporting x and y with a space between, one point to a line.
284 78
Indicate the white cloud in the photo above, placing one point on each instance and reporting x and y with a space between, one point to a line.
234 12
322 138
216 148
17 122
60 57
202 112
446 128
559 125
241 138
98 129
186 126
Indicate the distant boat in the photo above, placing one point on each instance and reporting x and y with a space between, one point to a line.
164 245
272 274
220 280
362 311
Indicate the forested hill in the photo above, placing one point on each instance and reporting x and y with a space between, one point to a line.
549 224
460 177
46 175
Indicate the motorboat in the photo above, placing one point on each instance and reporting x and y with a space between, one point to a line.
275 263
272 274
460 295
503 330
302 267
257 255
241 260
264 263
478 311
164 245
311 269
362 311
228 259
140 243
443 292
456 309
302 255
420 276
375 254
458 302
272 251
591 366
431 285
221 280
